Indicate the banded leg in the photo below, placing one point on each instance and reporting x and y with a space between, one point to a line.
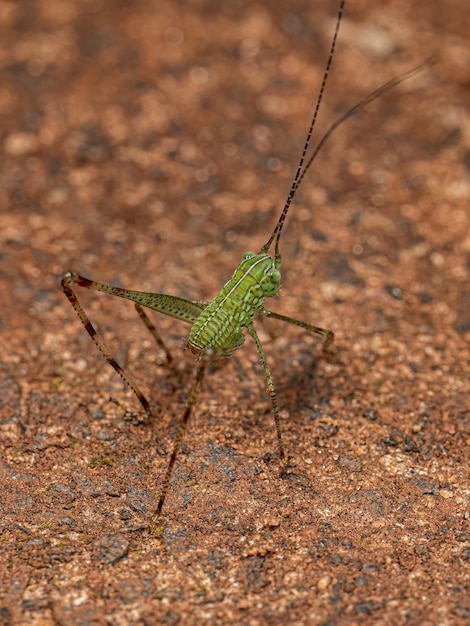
179 436
70 279
272 392
328 335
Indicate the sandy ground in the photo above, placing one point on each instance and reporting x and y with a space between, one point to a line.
149 145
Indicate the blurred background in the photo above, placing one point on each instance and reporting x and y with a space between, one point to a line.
149 145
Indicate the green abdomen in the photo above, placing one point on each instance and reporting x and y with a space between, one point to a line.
219 326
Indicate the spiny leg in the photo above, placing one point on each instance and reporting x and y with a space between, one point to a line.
180 308
328 335
180 434
272 392
71 279
149 324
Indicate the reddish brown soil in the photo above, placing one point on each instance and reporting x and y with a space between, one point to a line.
150 144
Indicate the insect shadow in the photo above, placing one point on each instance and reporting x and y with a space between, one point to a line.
218 327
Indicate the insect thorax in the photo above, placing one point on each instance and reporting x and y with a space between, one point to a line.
218 330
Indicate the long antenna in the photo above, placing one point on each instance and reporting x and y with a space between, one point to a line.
390 84
299 175
301 169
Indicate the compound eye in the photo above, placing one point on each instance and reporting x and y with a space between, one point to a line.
275 276
248 255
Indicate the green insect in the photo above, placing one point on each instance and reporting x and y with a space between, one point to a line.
217 327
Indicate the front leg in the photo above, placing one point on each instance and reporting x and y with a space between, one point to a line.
328 335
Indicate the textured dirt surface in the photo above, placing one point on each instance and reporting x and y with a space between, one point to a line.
150 144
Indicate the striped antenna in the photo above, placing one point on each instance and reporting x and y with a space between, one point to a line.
299 174
301 169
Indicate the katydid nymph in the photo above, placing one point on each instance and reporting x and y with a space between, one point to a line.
218 327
